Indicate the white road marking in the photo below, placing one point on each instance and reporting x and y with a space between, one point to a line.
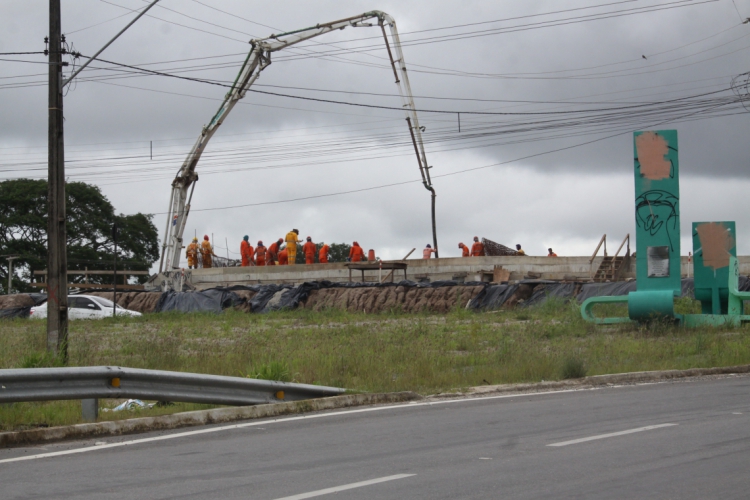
485 458
275 421
336 489
736 413
611 434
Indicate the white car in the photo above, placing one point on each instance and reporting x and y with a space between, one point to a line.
85 307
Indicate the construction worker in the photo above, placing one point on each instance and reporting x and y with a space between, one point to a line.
207 252
246 251
464 250
309 250
356 254
323 254
519 250
551 253
192 254
260 254
428 251
291 244
477 249
284 256
272 257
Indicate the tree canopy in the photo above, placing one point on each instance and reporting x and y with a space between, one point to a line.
90 217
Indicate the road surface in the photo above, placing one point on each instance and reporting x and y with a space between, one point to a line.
688 439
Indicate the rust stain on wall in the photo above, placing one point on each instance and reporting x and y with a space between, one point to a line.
716 242
652 155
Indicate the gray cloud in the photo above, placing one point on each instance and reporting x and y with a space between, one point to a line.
565 200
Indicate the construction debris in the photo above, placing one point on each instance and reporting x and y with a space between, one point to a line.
493 249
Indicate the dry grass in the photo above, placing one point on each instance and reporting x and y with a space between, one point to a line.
373 353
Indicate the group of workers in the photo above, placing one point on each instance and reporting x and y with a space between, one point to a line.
279 253
477 250
284 251
204 251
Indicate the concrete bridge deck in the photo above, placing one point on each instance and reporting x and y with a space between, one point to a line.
461 269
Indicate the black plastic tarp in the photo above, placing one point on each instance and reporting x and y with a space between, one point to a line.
615 288
212 300
15 312
492 297
23 312
541 293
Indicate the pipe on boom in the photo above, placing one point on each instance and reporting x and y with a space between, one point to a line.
256 61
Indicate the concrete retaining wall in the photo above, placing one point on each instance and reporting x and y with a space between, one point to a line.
462 269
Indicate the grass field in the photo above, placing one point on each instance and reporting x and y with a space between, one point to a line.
365 352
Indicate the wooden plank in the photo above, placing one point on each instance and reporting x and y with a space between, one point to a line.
391 273
499 274
92 285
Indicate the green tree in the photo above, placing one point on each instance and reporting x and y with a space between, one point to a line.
90 216
339 252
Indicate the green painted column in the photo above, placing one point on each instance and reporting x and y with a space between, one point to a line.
657 211
657 225
714 243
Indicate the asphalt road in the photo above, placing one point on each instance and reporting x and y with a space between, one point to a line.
672 440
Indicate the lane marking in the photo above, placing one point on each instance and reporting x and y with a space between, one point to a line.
275 421
351 486
611 434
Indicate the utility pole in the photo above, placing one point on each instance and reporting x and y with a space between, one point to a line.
114 280
57 261
10 271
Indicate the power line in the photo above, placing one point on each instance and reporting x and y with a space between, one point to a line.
375 106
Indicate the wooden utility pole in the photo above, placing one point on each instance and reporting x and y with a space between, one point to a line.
10 258
57 262
114 280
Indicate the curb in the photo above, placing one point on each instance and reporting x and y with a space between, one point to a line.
231 414
601 380
194 418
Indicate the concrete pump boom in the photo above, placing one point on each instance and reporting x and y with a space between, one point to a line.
257 60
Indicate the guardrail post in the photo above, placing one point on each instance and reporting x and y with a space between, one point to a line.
90 409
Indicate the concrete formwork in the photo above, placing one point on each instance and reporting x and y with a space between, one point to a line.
461 269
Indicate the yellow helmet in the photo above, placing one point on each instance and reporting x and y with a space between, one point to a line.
195 240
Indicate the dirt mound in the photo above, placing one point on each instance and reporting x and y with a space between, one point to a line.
378 299
143 302
523 293
247 295
16 301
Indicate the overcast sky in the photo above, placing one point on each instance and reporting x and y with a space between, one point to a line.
527 56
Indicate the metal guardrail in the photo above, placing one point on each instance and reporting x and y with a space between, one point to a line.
95 382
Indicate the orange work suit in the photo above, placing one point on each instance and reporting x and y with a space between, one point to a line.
464 250
207 253
309 251
192 255
323 255
284 258
477 249
261 256
273 254
246 251
356 253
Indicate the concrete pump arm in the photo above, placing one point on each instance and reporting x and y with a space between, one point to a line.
257 60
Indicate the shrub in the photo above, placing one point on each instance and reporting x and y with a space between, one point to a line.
573 367
274 370
41 360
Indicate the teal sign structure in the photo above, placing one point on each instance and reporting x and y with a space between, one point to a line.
658 269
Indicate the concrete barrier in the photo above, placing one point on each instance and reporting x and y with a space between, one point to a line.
463 269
